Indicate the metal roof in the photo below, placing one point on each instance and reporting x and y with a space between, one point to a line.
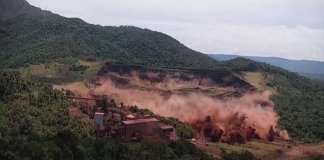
99 113
130 116
140 121
166 127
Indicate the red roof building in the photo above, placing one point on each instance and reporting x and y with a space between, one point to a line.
133 129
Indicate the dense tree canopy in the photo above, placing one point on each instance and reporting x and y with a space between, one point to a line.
43 38
31 39
299 101
35 125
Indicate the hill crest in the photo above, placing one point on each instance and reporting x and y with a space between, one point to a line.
308 68
12 8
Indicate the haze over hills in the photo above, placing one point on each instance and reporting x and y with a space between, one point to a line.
46 43
311 69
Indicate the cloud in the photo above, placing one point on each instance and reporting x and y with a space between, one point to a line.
286 28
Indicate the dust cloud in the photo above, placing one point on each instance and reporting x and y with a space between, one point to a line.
231 120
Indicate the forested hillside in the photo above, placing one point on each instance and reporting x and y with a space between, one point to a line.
31 39
35 124
307 68
47 37
299 101
13 8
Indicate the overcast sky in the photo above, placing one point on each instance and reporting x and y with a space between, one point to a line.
291 29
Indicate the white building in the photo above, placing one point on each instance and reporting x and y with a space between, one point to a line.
99 120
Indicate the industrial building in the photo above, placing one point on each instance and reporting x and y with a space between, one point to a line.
165 132
113 121
99 120
139 128
145 128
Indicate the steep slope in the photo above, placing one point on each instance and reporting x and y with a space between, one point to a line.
36 123
299 101
13 8
47 37
31 39
171 81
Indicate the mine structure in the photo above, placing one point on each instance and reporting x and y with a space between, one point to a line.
140 128
112 120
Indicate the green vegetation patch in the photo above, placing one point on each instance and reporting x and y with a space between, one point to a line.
37 39
298 100
258 150
58 73
258 80
35 124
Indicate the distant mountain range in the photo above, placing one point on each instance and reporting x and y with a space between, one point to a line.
310 69
32 36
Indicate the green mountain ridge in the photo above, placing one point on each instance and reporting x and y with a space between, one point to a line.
12 8
46 37
310 69
32 39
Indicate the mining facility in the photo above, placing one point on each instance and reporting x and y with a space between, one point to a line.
112 120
